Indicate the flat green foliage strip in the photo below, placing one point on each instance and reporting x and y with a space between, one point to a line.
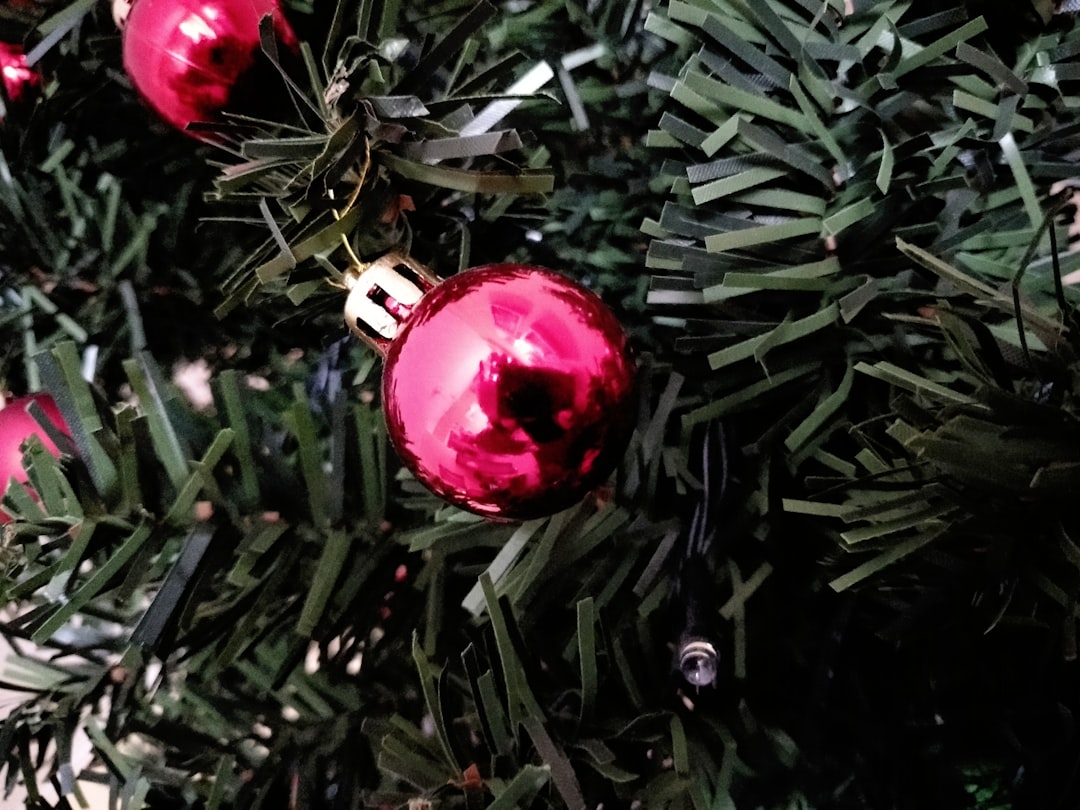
586 634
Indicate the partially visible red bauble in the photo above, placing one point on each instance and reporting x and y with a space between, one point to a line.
16 426
508 390
192 60
19 78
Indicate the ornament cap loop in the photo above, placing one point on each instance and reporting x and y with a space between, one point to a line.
382 295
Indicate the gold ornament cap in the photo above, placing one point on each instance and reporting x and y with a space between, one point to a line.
120 11
382 295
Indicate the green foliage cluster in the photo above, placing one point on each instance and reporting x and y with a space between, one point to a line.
872 211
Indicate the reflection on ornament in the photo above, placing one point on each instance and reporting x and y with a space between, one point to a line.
16 426
508 389
19 78
195 59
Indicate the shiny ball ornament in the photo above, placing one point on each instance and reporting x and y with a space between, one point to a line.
20 79
192 60
508 390
16 426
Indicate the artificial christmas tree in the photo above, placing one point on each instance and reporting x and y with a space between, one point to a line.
835 566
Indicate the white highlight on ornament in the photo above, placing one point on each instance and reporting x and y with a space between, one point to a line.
196 29
540 74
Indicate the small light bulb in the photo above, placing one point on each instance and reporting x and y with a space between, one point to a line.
697 662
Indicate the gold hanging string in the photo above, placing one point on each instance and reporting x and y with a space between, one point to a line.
356 265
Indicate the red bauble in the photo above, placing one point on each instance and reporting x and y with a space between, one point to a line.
19 78
16 426
194 59
508 390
